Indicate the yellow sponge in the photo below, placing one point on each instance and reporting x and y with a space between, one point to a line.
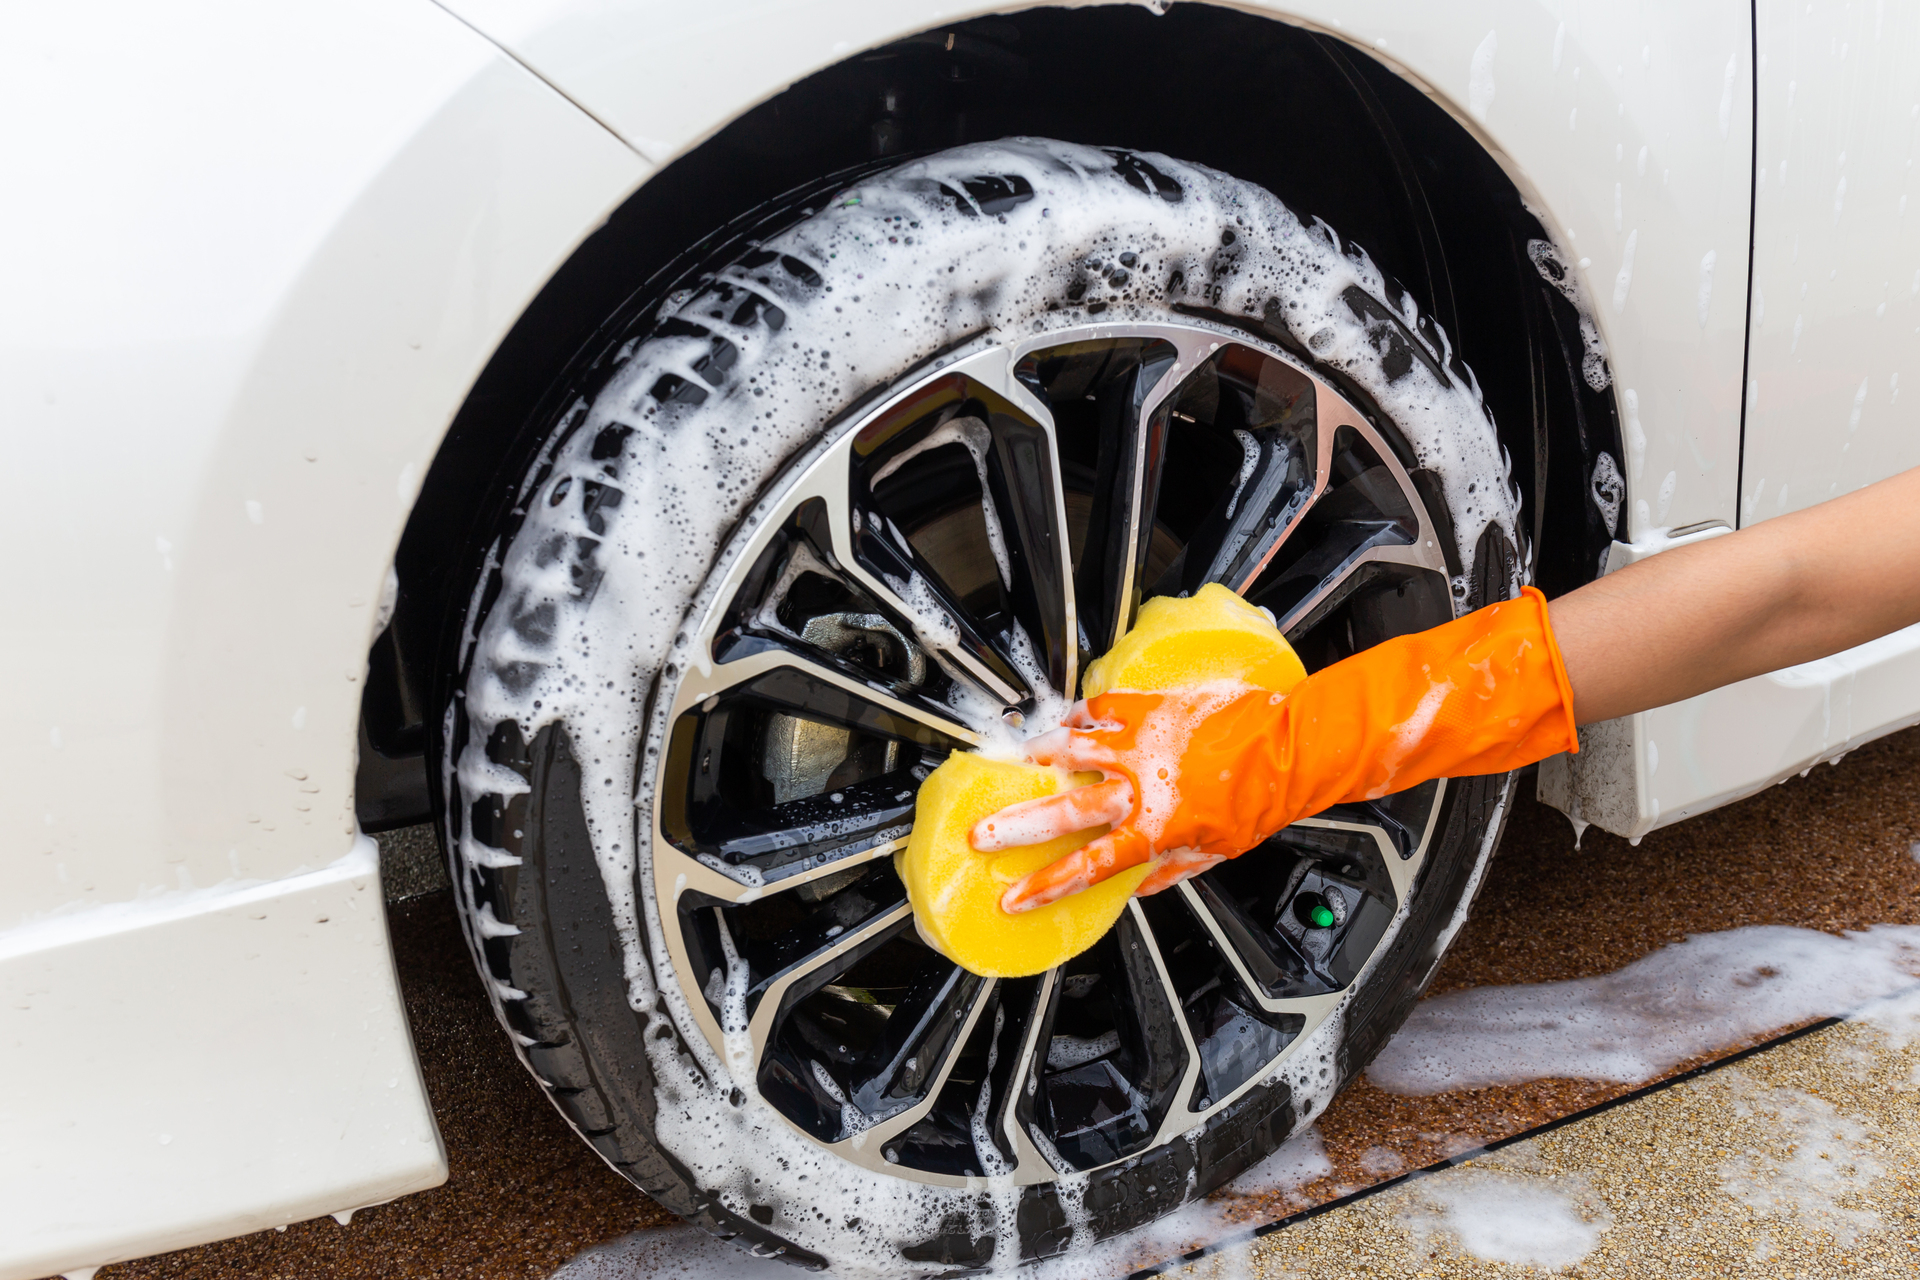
956 891
1211 635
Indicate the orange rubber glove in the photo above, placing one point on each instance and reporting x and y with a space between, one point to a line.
1199 775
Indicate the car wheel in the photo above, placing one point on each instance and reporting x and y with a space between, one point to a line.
874 484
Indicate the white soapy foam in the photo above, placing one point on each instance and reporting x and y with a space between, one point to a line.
686 1253
1410 733
389 597
1829 1158
1624 280
1693 997
1554 270
1382 1162
672 1253
1636 434
972 435
900 275
1505 1219
1050 705
1249 459
1298 1161
1608 492
1480 86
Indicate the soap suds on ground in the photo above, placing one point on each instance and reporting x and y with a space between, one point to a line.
1802 1160
1300 1161
1815 1158
673 1253
1504 1219
1706 993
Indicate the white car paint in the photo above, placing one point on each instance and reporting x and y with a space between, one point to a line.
1836 302
216 1062
1835 330
269 249
265 249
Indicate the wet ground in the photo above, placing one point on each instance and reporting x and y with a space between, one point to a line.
1802 1160
1722 1174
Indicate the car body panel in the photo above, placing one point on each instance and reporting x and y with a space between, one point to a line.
1836 290
1835 330
216 423
203 1065
277 245
1655 768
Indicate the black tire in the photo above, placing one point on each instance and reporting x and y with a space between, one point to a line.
666 452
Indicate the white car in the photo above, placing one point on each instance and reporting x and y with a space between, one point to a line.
643 438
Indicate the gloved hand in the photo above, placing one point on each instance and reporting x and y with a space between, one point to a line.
1198 775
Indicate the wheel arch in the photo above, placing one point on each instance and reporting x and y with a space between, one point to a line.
1456 236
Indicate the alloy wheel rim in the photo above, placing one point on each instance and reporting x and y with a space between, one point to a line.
944 566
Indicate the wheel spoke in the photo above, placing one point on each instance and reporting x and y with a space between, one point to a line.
1179 1116
855 696
962 1013
1363 511
774 995
1014 1110
1308 916
1030 504
1331 580
1402 843
680 874
874 554
1330 413
922 1035
1269 497
1228 935
837 761
1133 429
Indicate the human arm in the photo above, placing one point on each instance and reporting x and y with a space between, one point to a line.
1784 591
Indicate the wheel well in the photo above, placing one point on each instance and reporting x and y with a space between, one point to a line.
1328 129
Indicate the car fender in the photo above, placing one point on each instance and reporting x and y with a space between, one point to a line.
269 249
1629 133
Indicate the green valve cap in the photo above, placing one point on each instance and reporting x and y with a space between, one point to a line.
1314 911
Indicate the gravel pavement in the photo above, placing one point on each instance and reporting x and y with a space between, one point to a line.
1720 1175
1802 1160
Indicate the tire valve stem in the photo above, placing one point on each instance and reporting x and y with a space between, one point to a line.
1314 911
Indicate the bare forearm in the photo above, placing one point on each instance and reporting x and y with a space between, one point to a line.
1788 590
